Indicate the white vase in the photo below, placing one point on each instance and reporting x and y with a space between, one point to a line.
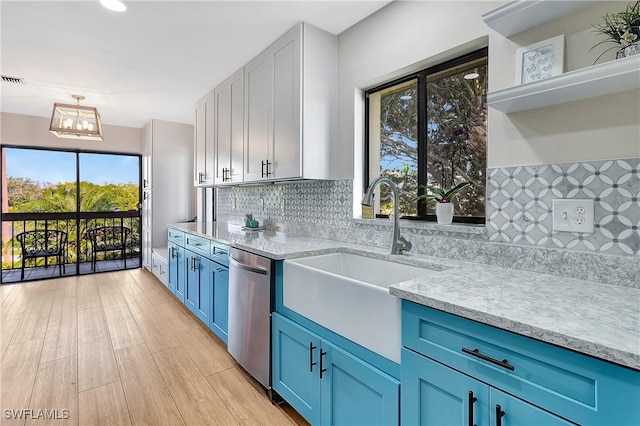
444 213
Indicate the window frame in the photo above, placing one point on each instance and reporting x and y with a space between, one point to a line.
421 77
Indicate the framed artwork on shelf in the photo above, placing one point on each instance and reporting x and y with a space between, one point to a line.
540 60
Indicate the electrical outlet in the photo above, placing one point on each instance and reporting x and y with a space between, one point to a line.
573 215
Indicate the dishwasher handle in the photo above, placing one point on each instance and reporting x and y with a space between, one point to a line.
249 268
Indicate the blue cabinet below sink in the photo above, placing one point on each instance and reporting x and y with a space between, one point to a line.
326 384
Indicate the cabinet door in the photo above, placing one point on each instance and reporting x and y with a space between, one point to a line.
202 307
222 132
192 281
210 139
258 102
433 394
146 248
507 410
229 129
287 107
219 318
182 275
199 144
296 364
237 127
203 148
176 266
354 392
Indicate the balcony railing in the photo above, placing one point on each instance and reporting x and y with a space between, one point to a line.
77 256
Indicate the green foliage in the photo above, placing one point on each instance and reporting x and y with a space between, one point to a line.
406 180
456 140
26 196
442 195
621 28
21 190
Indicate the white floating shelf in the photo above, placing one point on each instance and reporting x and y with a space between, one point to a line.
610 77
517 16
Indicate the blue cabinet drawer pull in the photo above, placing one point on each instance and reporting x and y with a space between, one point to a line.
476 352
311 363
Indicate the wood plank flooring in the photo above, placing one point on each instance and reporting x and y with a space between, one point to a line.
118 349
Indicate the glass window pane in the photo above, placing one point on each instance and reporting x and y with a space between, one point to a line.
399 146
109 182
38 181
456 136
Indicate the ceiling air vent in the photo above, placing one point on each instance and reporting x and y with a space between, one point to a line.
14 80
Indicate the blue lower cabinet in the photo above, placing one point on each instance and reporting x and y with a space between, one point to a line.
296 368
433 394
528 382
176 266
354 392
219 299
507 410
198 286
326 384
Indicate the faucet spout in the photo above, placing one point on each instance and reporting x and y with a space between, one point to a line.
399 243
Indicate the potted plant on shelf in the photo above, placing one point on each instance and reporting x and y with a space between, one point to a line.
622 29
444 197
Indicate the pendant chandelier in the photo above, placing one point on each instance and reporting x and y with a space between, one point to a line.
76 121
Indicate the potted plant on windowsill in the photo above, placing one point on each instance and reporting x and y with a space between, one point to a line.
444 197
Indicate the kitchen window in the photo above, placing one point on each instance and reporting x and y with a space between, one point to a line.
430 128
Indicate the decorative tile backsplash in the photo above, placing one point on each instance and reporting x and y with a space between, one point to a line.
313 202
519 202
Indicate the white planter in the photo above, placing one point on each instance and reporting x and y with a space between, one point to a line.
444 213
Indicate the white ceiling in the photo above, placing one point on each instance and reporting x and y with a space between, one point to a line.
152 61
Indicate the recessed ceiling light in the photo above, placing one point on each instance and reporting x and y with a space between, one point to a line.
115 5
471 76
405 97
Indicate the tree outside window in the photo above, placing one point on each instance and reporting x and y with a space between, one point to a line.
431 129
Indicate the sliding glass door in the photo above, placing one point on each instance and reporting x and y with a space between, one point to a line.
80 210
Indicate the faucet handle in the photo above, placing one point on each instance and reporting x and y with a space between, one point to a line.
407 243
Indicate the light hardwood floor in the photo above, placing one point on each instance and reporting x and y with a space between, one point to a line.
118 349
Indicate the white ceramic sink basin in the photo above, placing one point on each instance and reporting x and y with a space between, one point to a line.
349 294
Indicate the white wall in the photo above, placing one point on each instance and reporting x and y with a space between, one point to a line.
408 36
32 131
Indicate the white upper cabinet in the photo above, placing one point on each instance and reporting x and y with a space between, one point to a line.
228 129
290 108
203 146
258 77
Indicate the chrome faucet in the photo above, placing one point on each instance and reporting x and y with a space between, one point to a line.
399 243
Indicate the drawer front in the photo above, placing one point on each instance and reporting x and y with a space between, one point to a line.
197 244
220 252
575 386
176 237
159 268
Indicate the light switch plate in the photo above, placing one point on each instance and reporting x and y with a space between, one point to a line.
573 215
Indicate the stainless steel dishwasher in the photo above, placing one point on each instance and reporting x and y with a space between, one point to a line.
250 306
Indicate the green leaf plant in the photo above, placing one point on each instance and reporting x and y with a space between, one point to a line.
442 195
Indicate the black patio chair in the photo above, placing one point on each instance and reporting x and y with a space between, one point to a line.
43 243
108 238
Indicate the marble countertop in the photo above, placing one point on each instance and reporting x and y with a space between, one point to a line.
596 319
